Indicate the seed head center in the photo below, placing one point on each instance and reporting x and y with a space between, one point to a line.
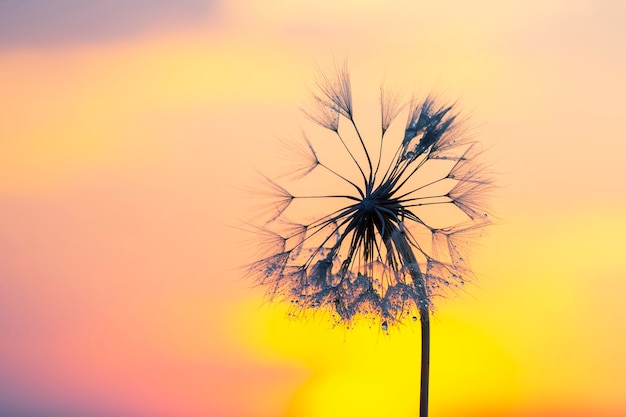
368 204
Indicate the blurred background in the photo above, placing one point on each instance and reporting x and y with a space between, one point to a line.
128 130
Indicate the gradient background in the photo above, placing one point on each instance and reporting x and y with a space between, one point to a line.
127 129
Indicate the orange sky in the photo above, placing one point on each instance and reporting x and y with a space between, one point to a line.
122 158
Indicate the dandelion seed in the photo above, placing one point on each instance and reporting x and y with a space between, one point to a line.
376 253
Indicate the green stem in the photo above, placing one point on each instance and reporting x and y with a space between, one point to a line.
425 366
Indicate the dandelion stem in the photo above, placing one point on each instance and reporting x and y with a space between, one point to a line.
407 256
425 364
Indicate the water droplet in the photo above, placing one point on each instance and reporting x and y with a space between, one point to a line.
446 283
384 326
460 259
486 215
414 318
410 155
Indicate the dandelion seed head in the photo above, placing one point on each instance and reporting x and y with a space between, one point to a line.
396 235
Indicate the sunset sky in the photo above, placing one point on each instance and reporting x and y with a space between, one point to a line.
130 130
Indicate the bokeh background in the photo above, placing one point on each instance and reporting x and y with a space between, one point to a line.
128 130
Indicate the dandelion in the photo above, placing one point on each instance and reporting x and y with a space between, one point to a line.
395 237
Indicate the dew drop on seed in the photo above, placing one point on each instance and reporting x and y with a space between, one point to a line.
384 326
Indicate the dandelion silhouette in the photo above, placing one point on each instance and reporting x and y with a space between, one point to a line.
397 238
